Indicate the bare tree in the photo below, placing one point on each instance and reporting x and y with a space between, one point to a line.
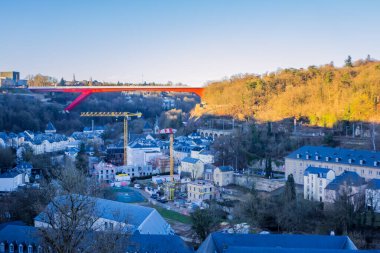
71 223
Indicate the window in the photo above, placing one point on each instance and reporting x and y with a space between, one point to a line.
39 250
20 248
105 225
11 248
30 249
370 172
320 182
101 172
111 226
2 247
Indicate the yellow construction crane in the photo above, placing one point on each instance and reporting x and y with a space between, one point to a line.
126 116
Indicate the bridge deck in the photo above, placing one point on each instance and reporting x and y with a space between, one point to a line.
87 90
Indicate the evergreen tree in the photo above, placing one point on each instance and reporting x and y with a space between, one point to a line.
62 82
290 190
348 62
268 167
81 162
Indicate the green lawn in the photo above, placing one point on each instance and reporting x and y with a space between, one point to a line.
168 214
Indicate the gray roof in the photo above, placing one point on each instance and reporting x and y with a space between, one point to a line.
190 160
19 234
226 168
338 155
131 214
374 184
221 242
10 174
321 172
348 177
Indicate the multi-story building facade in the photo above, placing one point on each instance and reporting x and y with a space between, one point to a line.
315 182
365 163
192 166
200 190
104 172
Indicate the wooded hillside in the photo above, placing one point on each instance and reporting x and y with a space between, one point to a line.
325 94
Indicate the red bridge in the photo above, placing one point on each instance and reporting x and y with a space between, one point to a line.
85 91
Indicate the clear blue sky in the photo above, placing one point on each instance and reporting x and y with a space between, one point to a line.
182 41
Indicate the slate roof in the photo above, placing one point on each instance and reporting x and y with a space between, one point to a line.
321 172
369 158
221 243
143 143
10 174
226 168
132 214
348 177
190 160
157 244
19 234
374 184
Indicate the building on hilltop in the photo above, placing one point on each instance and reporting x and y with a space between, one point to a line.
365 163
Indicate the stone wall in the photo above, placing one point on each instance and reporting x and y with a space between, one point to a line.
262 184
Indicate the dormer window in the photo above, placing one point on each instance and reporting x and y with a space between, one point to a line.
298 155
375 163
20 248
337 159
350 160
30 249
307 157
362 162
39 249
11 248
2 247
317 157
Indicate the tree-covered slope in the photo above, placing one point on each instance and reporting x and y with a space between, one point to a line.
325 95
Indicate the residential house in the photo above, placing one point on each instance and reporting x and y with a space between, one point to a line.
372 195
192 167
208 172
104 172
365 163
200 190
223 175
11 180
348 183
315 182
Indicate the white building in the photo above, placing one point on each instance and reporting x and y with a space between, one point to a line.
200 190
204 155
223 175
372 195
365 163
110 215
315 182
142 151
348 183
104 172
11 180
192 166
